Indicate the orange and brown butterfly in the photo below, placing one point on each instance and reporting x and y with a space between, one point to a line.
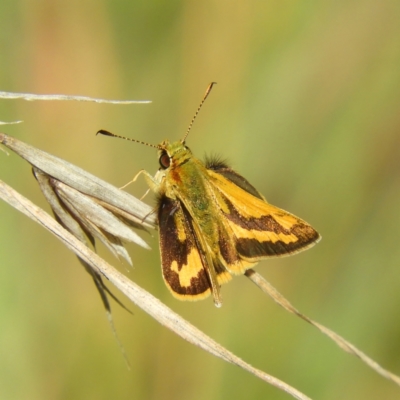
213 223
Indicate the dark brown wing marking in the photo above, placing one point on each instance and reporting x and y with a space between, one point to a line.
182 265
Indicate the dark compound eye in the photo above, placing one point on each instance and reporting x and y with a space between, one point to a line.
164 161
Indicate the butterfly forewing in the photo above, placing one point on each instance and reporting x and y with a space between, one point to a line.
258 229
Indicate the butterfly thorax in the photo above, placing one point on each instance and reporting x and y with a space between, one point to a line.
186 181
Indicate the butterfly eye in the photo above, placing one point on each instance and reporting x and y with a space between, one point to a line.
164 160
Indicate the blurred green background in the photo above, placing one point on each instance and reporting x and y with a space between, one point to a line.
306 108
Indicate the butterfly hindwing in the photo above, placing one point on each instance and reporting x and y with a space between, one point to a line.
222 168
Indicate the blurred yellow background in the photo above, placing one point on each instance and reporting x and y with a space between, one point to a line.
307 108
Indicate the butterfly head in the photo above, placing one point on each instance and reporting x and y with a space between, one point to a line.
172 155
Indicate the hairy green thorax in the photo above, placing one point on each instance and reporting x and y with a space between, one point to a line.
186 179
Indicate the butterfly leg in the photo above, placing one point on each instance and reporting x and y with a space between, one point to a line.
152 181
145 194
134 178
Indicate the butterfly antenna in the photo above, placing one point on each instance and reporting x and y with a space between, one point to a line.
106 133
208 90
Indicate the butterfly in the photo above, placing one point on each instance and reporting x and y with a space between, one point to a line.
213 223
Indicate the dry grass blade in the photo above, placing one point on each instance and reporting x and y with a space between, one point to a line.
62 97
10 123
266 287
139 213
64 217
136 294
64 208
94 212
